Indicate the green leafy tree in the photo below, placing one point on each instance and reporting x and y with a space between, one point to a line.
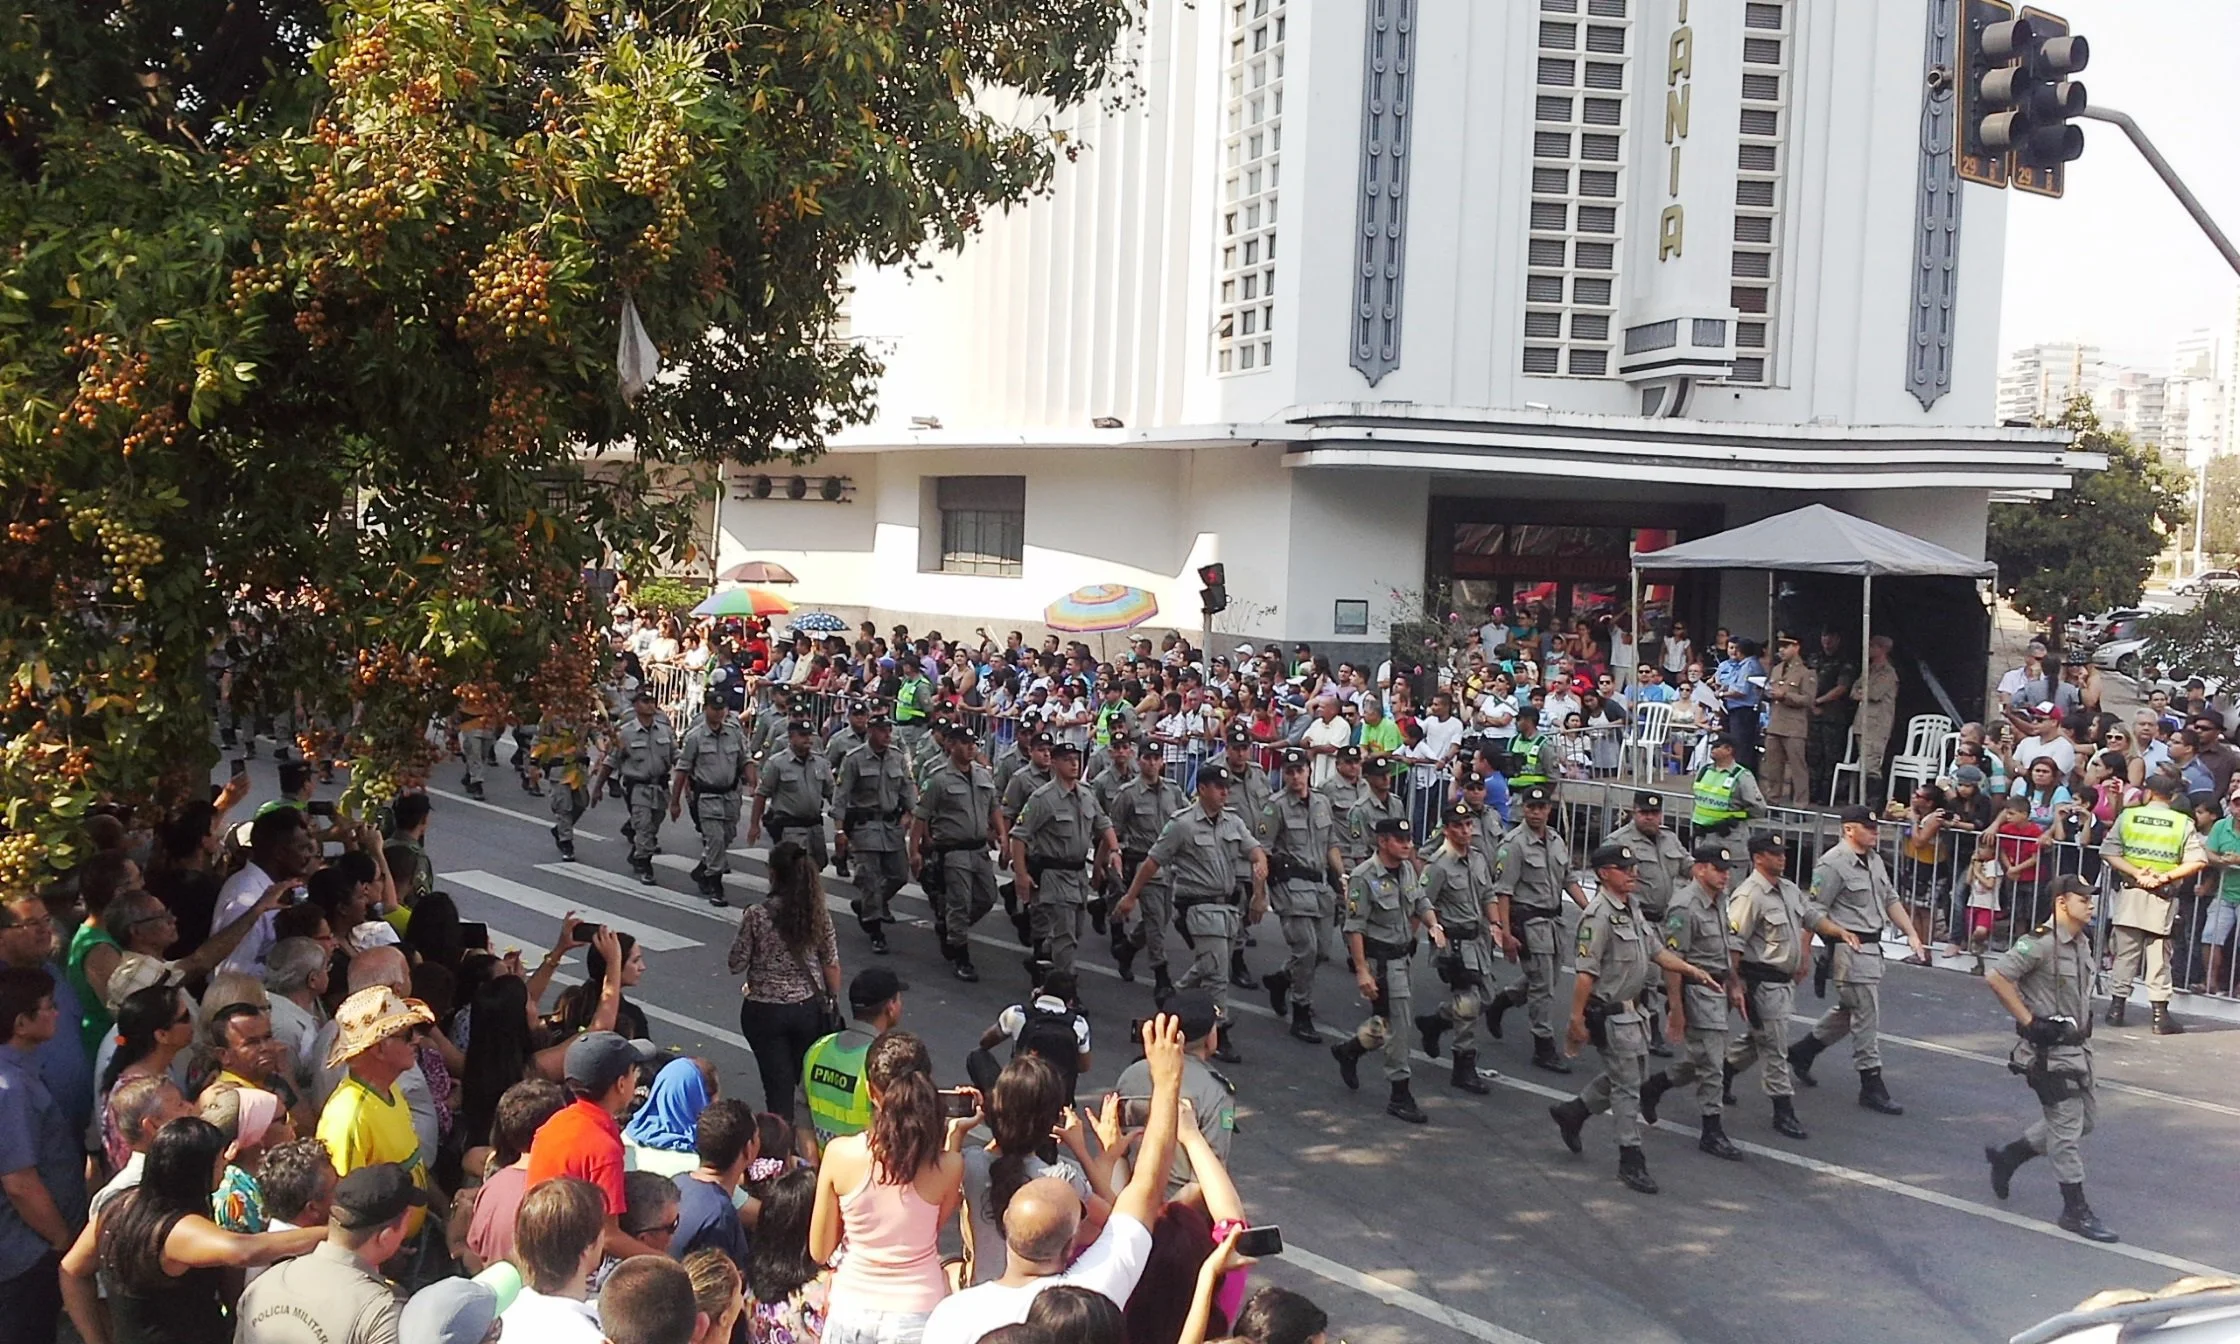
2093 545
2203 642
2221 511
308 320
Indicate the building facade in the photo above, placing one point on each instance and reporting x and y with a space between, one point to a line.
1374 299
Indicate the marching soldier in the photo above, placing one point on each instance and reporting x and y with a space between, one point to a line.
1532 874
875 793
1614 960
1117 769
1384 904
1664 863
711 761
1248 798
1062 829
957 817
766 735
1304 870
2154 848
1012 755
1458 882
1695 929
1773 922
2045 983
793 792
1028 775
1141 810
1852 884
1207 846
562 755
648 750
852 734
1379 800
1347 790
1726 792
473 731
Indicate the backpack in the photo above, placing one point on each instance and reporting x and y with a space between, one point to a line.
1051 1036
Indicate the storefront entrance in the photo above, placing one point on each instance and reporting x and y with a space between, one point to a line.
1551 564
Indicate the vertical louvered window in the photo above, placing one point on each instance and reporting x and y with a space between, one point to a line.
1761 158
1578 172
1251 170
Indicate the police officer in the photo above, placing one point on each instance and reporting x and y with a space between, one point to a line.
1141 810
1664 864
1831 711
1726 792
1305 870
1533 753
1347 789
1532 873
1248 798
711 761
472 734
874 794
1027 777
562 755
766 735
1615 954
794 789
852 734
957 817
1117 769
1384 904
1852 884
1695 929
2154 848
1012 755
1062 829
1773 922
1207 847
2045 983
1115 719
648 747
932 750
1458 882
1378 801
913 704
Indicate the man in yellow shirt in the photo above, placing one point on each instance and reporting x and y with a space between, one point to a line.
366 1120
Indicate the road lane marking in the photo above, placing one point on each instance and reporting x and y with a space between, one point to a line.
500 938
632 887
1393 1295
544 823
652 937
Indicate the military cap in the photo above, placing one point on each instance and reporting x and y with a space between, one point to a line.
1473 780
1121 737
1770 843
1150 746
1713 851
1064 748
1646 801
1536 794
1458 814
880 721
1612 854
1856 815
1390 826
1529 712
1349 754
1042 740
800 726
1213 774
1295 757
856 707
962 732
1240 736
1722 740
1377 765
647 698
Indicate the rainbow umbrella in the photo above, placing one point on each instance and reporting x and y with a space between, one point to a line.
743 602
1100 607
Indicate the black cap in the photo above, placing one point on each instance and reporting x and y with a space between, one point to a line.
1151 746
644 697
1377 765
1195 1008
1723 740
962 732
1043 740
1240 736
1120 737
1473 780
1712 851
1214 774
1295 757
1458 814
373 1195
873 987
1064 748
800 726
1612 854
1348 754
1646 801
1029 718
880 721
856 707
1856 815
1770 843
1389 826
1536 794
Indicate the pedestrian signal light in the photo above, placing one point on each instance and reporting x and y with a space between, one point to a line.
1215 596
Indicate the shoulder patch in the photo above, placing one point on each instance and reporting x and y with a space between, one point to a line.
1586 937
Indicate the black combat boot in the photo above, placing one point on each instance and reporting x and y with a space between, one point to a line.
1801 1056
2115 1012
1240 974
1545 1055
1652 1092
1431 1027
963 969
1162 987
1570 1117
1785 1120
1348 1053
1403 1105
644 869
1465 1074
567 847
2164 1025
1874 1096
1715 1141
1096 907
474 790
1726 1084
2005 1162
1278 985
2078 1217
1498 1005
1633 1169
1302 1025
1222 1049
1124 953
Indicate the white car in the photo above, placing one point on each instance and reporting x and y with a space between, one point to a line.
2220 580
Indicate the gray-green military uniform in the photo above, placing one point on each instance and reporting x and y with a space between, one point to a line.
766 735
1696 929
1856 891
1026 778
1360 827
1140 812
648 752
477 742
713 761
562 754
1533 872
1207 858
1300 834
2052 972
958 807
841 743
1213 1100
1663 867
1345 795
1459 888
1383 905
1618 949
1060 828
874 794
1110 780
1772 922
1248 791
795 791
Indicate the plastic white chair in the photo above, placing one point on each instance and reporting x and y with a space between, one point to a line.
1849 764
1652 725
1923 757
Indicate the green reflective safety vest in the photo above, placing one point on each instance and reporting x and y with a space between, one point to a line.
910 701
832 1076
1105 716
1715 796
2154 836
1532 761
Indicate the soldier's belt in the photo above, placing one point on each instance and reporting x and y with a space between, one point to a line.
1184 901
792 823
1759 973
699 788
637 783
960 846
1284 869
1463 933
1384 951
1037 867
1133 858
856 816
1532 912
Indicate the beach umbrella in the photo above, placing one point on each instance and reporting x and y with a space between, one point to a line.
1100 607
757 571
743 602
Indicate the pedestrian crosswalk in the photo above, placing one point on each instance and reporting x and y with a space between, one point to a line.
650 937
630 886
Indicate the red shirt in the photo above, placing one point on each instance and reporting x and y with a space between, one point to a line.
582 1141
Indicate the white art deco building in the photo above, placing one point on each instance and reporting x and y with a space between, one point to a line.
1357 296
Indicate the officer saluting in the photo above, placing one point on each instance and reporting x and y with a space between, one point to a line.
1695 929
874 794
2154 848
956 819
1614 959
711 761
649 748
2045 983
1304 870
792 793
1384 904
1141 810
1458 881
1062 829
1851 883
1207 847
1532 872
1773 922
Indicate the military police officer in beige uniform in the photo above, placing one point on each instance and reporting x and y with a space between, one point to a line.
648 747
956 819
1773 922
1384 905
792 792
1532 872
1664 866
711 761
1695 928
875 796
1852 884
1062 829
1615 957
1248 798
1140 810
1210 852
1458 881
1304 871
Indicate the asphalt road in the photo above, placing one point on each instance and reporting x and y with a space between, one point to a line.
1479 1226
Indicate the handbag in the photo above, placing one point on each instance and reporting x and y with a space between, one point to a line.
829 1019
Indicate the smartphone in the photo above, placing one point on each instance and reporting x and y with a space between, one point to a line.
240 767
474 934
1260 1242
585 931
318 807
293 896
1135 1112
956 1105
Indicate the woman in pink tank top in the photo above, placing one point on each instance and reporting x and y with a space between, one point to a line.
882 1197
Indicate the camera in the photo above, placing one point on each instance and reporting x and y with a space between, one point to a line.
956 1104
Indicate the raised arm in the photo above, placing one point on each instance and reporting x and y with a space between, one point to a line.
1147 1184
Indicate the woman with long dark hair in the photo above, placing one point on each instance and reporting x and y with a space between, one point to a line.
791 959
154 1027
886 1193
786 1286
578 1005
164 1256
1025 1108
507 1043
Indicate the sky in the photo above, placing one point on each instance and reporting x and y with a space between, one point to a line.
2117 262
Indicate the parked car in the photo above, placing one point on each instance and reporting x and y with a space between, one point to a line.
2086 631
2122 647
2208 580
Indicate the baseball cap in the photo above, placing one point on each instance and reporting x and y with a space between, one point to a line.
597 1058
875 986
449 1311
1247 650
1712 851
1195 1008
375 1194
1967 774
1612 854
2044 709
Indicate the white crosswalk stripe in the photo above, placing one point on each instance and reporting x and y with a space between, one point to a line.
546 822
633 888
650 937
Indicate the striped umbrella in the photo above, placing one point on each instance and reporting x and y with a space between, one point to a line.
1100 607
743 602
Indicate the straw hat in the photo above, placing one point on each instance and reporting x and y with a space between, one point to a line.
136 971
371 1016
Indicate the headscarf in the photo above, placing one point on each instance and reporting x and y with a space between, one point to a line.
672 1110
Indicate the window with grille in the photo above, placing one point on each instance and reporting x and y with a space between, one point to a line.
983 524
1251 163
1578 151
1760 156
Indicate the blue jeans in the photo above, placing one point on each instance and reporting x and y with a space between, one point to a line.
856 1326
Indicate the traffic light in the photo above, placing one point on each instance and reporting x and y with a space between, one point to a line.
1215 596
1977 161
2017 97
2049 141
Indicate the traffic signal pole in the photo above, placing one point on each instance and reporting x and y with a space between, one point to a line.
2170 179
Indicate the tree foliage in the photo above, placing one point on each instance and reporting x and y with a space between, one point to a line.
2203 642
2093 545
2221 511
308 316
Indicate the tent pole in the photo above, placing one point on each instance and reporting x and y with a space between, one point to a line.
1866 633
1771 578
1629 690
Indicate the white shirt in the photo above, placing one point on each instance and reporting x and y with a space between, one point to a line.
241 891
1676 653
1336 733
1013 1018
1556 708
2062 751
270 1225
2010 682
299 1031
552 1320
1112 1266
1441 736
1498 715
